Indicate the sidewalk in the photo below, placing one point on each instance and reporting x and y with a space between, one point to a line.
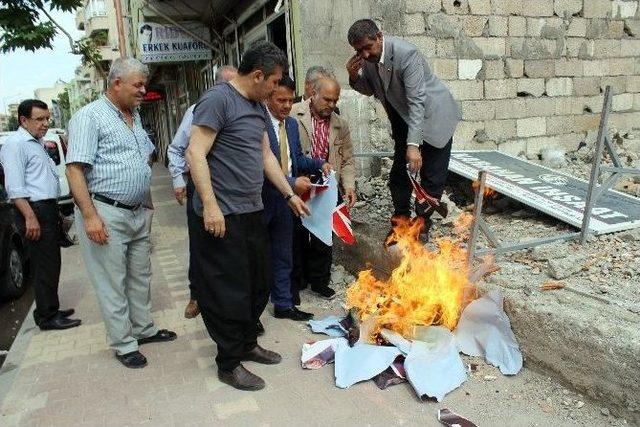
71 378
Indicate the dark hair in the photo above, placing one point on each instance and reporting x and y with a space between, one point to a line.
361 29
264 56
145 27
26 107
287 82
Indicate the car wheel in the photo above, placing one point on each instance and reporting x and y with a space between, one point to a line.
14 279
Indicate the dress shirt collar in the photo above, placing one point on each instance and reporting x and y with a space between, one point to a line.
381 62
275 122
24 134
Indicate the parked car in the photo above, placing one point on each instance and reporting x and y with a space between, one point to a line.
13 256
55 142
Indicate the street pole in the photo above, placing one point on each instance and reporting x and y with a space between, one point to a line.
120 23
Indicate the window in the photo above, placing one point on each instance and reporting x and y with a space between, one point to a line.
95 8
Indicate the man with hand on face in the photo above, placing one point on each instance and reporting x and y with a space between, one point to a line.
109 175
422 112
324 136
229 157
32 185
182 184
285 145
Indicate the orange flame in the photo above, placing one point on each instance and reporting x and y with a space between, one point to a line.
488 192
427 288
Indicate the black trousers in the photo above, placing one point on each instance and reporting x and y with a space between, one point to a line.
311 259
433 174
44 258
232 277
192 223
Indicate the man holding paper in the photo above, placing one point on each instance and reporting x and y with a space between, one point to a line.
324 135
285 145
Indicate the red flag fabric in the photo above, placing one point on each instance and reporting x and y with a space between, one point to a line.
342 224
315 190
421 195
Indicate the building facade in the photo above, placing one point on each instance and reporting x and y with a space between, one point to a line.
527 75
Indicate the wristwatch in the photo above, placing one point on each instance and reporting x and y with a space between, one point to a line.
289 196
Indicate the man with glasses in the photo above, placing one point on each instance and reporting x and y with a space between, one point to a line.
32 184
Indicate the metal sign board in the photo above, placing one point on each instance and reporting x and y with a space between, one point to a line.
170 43
554 193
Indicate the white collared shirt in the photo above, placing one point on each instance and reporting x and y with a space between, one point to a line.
276 127
29 172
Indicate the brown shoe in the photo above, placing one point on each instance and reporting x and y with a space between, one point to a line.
260 355
192 309
241 379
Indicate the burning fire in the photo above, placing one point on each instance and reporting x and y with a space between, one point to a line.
427 288
488 192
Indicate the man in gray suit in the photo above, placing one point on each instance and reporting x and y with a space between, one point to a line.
422 111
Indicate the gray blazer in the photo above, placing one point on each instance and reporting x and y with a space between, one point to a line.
421 99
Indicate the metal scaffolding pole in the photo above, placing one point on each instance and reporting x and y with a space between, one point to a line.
595 167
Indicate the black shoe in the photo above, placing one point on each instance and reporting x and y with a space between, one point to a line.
395 220
133 360
291 313
295 298
161 336
260 328
424 233
261 355
65 241
59 322
324 291
66 313
241 379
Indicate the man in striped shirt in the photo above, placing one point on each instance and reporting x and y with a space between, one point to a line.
109 175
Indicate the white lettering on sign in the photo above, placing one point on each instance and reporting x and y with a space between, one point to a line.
556 194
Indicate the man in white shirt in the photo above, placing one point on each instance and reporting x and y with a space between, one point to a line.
182 185
32 185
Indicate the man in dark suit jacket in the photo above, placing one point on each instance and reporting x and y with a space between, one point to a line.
285 144
422 111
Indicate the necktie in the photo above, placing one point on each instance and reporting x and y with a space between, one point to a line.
284 152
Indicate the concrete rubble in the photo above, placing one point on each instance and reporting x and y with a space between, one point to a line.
565 332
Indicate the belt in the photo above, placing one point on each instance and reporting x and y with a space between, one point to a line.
45 202
114 203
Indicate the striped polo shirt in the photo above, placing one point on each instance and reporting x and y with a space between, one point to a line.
117 155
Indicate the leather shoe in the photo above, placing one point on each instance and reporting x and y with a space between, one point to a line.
291 313
133 360
295 298
59 322
192 310
261 355
324 291
66 313
161 336
241 379
260 328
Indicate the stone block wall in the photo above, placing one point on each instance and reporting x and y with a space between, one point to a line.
527 74
531 74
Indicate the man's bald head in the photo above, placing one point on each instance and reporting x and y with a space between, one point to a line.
326 93
225 73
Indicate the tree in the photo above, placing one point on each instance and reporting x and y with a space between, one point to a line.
65 107
12 124
28 24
